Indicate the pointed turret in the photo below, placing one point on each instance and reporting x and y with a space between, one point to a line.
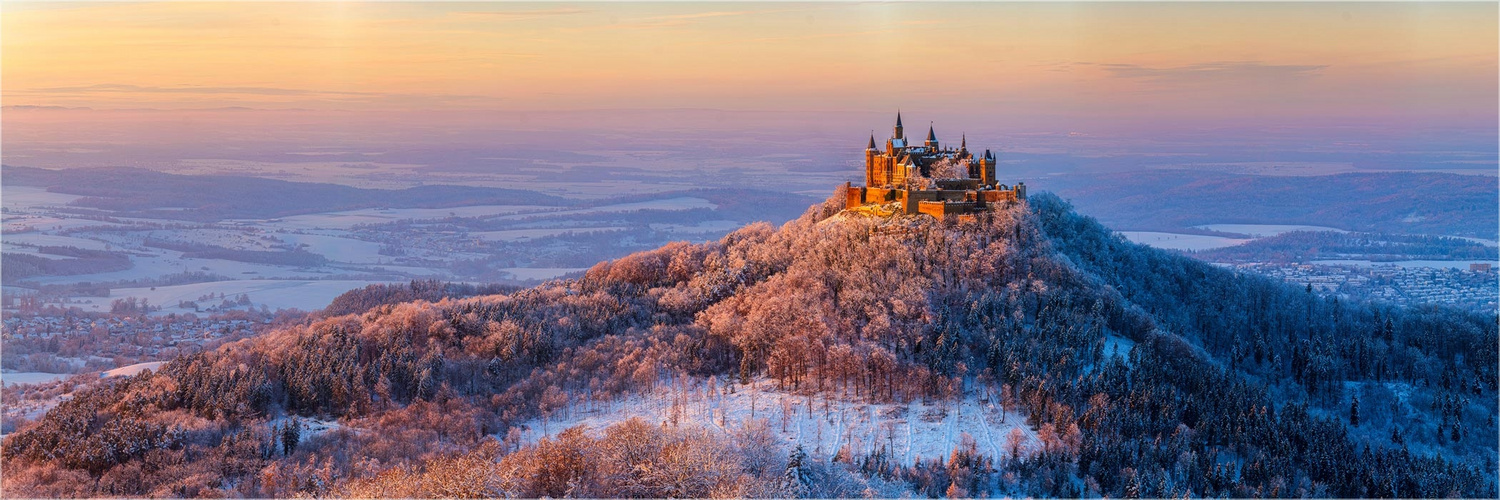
963 142
932 142
871 147
899 133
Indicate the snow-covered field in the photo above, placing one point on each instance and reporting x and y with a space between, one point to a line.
705 227
132 370
530 234
1263 230
540 273
1481 241
679 203
28 196
350 218
822 427
42 239
171 262
1435 264
337 249
1175 241
16 378
306 295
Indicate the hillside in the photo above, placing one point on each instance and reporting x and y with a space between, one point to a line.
1126 371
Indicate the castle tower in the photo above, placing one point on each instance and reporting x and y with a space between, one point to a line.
987 169
870 161
899 132
932 142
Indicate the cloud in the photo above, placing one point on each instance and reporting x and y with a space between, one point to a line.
113 88
521 15
239 94
678 20
1215 71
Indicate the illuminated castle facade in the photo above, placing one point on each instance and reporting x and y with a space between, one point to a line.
929 178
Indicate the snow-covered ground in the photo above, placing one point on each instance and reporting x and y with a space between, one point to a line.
132 370
705 227
172 262
350 218
1481 241
530 234
1435 264
28 196
1263 230
1175 241
821 426
16 378
540 273
53 240
307 295
337 249
679 203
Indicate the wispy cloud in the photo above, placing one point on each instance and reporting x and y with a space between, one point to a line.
677 20
112 88
1241 71
250 94
520 15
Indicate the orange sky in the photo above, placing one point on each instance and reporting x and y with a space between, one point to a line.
1421 61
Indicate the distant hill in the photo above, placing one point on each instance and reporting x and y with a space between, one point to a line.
145 193
1413 203
1141 374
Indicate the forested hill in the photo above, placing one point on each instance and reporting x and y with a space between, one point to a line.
1143 373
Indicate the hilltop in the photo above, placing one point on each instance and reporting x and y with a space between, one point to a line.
1126 371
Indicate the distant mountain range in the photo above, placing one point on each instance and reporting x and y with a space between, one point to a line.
151 194
1412 203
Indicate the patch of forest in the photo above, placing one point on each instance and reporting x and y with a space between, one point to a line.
20 266
1235 385
293 257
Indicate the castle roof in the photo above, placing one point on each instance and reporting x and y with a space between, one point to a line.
872 142
898 118
931 136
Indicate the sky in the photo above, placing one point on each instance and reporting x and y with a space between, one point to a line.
1383 76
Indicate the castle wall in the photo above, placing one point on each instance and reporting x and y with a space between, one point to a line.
939 209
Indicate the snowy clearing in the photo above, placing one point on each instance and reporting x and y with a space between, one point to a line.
540 273
705 227
821 426
17 378
30 197
337 249
306 295
1175 241
132 370
1263 230
531 234
1434 264
52 240
350 218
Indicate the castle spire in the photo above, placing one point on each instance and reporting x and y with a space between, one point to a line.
963 142
932 142
899 134
872 141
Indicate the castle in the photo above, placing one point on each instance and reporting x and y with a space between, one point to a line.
928 178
